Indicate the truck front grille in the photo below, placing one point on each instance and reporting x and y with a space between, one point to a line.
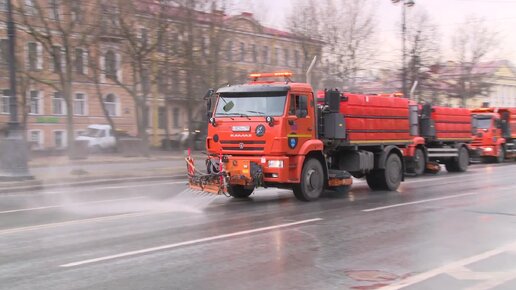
242 145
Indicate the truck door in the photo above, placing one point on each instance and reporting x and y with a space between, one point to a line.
301 123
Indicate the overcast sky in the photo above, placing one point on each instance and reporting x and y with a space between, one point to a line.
500 15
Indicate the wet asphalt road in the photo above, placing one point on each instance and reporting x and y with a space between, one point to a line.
449 231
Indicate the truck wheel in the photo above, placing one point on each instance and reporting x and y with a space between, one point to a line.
312 181
238 191
460 163
388 178
419 162
373 179
501 155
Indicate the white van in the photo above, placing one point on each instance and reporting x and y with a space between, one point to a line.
99 137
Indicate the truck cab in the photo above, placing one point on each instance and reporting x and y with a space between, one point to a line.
494 132
270 124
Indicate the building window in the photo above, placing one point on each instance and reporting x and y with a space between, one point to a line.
265 54
53 9
6 95
175 118
162 117
29 7
162 42
35 139
34 56
286 60
144 37
3 5
35 100
162 82
59 139
58 106
75 9
255 53
296 58
57 59
4 51
277 56
205 45
229 53
111 65
242 51
79 104
81 61
110 104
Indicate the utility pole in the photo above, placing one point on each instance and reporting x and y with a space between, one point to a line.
13 148
404 5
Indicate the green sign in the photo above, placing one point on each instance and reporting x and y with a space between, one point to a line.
52 120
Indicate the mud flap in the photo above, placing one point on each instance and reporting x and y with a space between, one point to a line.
432 167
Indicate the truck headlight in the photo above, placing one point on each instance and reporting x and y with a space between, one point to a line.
275 163
488 149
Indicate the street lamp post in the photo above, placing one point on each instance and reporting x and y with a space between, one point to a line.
404 5
13 148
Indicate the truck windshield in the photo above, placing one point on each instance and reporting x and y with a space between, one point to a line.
250 104
482 122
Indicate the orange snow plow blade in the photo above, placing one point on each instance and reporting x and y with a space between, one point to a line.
212 182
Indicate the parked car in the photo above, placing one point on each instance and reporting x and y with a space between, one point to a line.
99 137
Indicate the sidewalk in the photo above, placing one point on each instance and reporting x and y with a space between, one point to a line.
101 168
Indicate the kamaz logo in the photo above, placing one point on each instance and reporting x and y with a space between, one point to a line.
240 135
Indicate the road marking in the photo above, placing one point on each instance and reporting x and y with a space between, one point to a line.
186 243
83 221
448 267
69 204
71 222
420 201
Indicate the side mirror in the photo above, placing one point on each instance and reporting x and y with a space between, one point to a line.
498 124
227 107
207 98
208 108
208 94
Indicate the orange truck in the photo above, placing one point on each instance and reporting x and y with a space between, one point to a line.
442 135
280 134
494 133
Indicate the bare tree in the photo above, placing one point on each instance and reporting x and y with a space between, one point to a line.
304 22
472 43
60 30
347 29
137 29
424 51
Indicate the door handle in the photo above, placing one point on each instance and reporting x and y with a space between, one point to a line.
309 129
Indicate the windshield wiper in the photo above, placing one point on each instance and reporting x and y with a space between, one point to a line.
225 114
256 112
243 115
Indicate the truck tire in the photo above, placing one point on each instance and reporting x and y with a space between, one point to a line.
419 162
388 178
460 163
311 183
238 191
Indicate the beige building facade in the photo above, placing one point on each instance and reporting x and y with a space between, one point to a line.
246 47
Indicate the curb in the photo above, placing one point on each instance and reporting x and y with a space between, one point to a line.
121 160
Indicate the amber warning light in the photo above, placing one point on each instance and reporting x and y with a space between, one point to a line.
256 76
